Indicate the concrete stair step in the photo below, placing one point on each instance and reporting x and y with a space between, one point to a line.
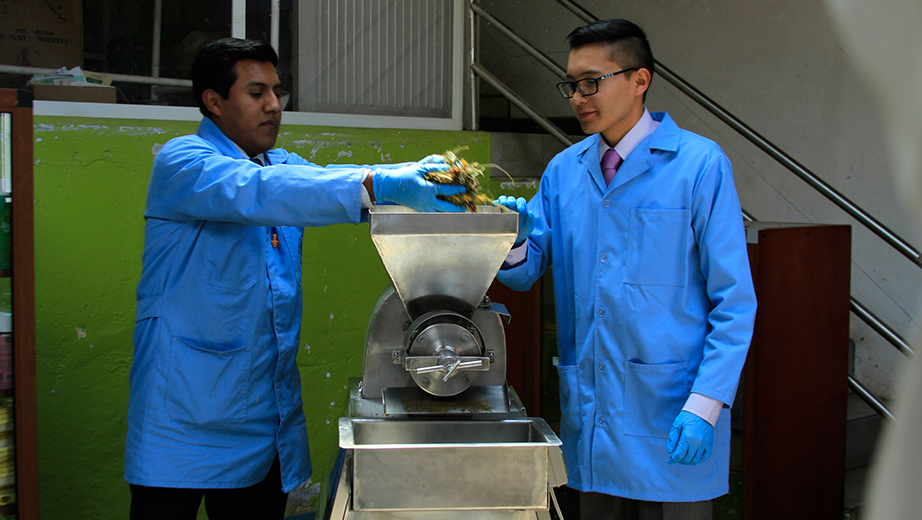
861 433
855 482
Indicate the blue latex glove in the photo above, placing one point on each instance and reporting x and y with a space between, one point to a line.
526 216
690 440
433 159
407 186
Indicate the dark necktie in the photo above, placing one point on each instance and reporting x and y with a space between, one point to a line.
610 163
272 231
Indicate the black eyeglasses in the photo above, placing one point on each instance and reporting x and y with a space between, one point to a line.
586 86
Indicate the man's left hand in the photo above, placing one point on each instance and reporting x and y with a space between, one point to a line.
526 216
690 440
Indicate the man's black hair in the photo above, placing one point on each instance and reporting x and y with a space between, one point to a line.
213 67
627 43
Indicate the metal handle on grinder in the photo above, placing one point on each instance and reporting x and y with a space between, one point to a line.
452 367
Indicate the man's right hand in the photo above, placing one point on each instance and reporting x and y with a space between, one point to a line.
407 186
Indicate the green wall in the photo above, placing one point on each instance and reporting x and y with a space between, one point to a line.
90 186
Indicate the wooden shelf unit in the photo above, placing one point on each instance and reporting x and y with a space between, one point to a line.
795 380
18 103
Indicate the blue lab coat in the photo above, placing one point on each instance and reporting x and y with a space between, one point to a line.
654 300
215 391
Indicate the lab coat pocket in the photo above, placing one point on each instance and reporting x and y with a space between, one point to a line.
656 249
570 400
653 397
208 388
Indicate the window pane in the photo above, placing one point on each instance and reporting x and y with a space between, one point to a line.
376 57
259 27
119 38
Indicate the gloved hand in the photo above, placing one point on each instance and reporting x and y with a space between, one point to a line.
433 159
690 440
407 186
526 216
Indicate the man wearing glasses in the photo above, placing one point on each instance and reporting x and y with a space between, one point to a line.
642 227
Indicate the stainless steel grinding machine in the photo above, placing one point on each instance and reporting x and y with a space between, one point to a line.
433 431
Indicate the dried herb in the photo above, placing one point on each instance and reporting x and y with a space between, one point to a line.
465 174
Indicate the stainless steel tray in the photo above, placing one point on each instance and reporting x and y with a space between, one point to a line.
450 464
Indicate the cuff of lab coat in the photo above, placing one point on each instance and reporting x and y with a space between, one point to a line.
704 407
516 256
366 198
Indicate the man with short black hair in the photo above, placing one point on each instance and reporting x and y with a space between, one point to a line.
215 409
642 228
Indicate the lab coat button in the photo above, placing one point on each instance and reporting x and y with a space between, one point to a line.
600 312
601 421
605 203
603 258
600 367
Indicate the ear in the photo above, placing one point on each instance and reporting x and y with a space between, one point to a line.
212 101
641 79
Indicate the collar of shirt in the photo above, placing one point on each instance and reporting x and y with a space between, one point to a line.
261 158
646 126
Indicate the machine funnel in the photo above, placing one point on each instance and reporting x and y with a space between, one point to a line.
442 261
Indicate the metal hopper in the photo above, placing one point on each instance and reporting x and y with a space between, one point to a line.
442 260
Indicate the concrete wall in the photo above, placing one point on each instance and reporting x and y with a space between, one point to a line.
91 180
778 67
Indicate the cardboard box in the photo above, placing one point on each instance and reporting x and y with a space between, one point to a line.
86 94
41 33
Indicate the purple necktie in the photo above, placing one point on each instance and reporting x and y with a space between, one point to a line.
610 163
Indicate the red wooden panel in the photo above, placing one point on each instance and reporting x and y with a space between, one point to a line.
795 385
523 342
